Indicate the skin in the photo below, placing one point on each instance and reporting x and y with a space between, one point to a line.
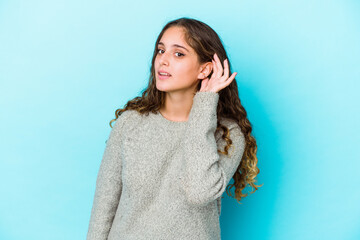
186 71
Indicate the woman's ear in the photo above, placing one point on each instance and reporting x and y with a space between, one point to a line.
205 70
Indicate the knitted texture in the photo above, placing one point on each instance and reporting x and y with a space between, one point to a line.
163 180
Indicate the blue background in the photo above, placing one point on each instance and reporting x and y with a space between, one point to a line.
66 66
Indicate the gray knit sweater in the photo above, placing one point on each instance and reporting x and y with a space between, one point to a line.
161 179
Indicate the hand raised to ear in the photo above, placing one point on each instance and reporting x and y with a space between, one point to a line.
217 81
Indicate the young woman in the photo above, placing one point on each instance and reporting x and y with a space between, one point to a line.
173 151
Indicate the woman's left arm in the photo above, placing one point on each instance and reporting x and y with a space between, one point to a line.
206 172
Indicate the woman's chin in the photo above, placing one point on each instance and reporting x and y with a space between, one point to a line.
164 88
162 85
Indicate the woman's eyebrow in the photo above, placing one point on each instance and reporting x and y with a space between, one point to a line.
175 45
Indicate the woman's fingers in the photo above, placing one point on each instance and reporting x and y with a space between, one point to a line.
227 82
213 76
226 69
218 65
231 77
220 76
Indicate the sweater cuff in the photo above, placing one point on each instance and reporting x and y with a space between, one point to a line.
204 104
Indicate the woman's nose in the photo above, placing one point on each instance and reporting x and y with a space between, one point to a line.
164 59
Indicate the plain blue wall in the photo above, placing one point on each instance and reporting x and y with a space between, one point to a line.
66 66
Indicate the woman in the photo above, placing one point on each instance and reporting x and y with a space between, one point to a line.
162 175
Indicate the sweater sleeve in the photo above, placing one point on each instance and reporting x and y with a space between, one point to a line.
108 185
207 172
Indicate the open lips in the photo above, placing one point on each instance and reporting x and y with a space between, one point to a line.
163 75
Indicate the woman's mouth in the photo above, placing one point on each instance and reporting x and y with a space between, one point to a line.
163 75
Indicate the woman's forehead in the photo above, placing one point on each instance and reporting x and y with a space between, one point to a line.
174 35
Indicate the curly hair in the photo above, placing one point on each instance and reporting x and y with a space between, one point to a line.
205 41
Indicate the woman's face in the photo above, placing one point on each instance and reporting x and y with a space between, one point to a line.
177 58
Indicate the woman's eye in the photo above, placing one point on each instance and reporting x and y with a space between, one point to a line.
180 54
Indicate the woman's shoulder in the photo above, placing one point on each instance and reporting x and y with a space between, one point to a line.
127 113
124 117
232 125
229 122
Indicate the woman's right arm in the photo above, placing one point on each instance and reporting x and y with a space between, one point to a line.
108 185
